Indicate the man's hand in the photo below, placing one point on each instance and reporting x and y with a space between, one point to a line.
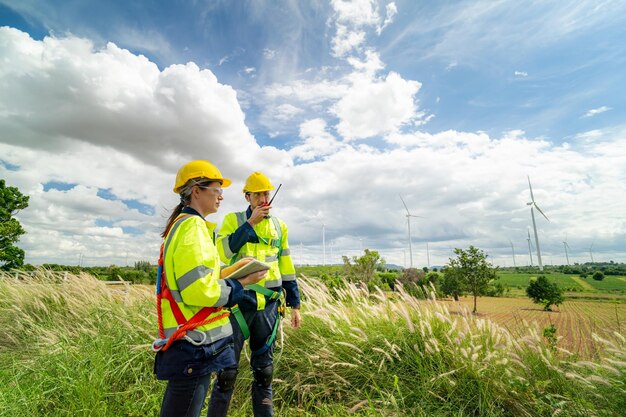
296 320
258 214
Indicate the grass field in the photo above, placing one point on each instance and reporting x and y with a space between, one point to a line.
610 283
79 348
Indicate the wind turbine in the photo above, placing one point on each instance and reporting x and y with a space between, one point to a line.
534 206
566 246
324 244
513 250
591 252
530 252
428 255
408 223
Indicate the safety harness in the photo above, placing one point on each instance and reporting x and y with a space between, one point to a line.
261 291
184 325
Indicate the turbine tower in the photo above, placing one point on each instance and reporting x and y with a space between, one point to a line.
591 252
530 251
566 246
534 206
408 223
324 244
513 250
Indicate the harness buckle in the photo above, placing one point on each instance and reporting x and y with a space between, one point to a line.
188 338
158 344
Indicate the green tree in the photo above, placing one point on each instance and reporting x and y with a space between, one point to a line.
472 270
362 268
451 284
11 202
542 291
598 275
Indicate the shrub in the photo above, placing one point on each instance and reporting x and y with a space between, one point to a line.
542 291
598 275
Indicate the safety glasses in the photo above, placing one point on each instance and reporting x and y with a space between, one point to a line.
216 190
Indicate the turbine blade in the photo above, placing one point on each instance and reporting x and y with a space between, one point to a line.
532 198
542 213
407 209
413 215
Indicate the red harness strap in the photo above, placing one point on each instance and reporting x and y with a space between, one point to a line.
184 325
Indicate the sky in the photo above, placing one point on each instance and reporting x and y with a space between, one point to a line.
453 105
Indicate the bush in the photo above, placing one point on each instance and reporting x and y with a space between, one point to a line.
495 289
332 281
598 275
542 291
388 278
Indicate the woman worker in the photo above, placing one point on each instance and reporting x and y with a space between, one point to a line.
195 334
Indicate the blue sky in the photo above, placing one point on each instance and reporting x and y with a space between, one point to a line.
451 104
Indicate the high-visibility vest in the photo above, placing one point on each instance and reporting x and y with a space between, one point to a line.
273 249
192 271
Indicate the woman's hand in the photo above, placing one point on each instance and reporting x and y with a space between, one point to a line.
252 278
225 272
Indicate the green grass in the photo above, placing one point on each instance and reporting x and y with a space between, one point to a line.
79 348
609 283
522 280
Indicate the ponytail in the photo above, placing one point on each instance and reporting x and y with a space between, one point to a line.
177 210
185 200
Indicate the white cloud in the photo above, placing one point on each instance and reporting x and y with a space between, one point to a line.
596 111
308 92
364 103
109 119
346 40
374 107
269 53
356 12
521 74
371 64
391 11
470 188
113 98
286 111
317 142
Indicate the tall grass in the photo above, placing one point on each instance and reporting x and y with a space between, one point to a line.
75 347
78 348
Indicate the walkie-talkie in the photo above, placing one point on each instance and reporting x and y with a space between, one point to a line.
272 199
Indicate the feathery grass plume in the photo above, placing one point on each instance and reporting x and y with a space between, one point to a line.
355 353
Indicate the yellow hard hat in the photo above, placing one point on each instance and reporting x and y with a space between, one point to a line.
199 169
256 183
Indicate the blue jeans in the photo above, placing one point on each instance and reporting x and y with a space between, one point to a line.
187 368
261 324
185 397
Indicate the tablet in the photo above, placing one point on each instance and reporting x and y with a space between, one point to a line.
249 268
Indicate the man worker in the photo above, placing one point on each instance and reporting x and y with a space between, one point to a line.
255 233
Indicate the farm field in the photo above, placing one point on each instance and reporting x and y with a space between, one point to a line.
575 320
567 282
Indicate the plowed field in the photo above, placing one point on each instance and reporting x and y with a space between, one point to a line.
575 320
